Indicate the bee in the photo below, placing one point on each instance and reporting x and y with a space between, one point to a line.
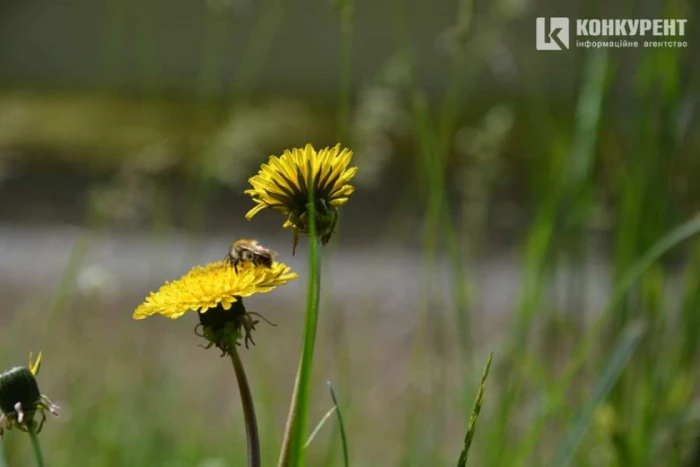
244 249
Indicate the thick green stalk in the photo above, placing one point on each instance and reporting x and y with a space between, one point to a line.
35 445
295 432
251 424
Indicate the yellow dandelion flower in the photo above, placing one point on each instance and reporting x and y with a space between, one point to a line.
210 286
216 292
21 400
282 185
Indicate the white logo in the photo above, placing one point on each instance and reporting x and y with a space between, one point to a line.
552 33
616 33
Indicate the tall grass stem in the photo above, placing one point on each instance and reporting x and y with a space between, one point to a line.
319 425
627 344
345 10
476 410
341 425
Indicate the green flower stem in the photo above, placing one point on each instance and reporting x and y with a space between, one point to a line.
292 453
251 425
35 444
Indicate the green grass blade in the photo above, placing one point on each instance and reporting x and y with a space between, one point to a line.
341 425
257 48
588 116
556 399
464 455
319 425
61 295
345 10
627 344
677 236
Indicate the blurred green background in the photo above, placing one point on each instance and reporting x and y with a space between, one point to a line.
541 205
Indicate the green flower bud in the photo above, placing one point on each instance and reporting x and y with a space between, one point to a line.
21 400
18 385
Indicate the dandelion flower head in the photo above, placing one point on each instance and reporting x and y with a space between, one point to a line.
215 285
282 184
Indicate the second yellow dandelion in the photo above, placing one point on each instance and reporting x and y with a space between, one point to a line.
283 183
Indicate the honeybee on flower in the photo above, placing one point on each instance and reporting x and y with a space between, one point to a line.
249 250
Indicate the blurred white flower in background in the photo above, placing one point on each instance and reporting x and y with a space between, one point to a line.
482 147
126 200
153 158
253 133
378 118
95 280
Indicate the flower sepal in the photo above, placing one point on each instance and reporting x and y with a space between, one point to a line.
326 221
227 328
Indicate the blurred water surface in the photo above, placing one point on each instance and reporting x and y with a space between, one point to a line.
127 265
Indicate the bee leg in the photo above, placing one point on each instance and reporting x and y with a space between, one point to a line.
235 265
